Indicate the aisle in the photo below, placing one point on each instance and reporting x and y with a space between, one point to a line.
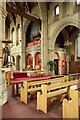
15 109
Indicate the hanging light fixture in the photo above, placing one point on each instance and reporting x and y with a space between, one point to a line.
67 43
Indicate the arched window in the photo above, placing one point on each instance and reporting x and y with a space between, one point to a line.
57 10
18 33
13 36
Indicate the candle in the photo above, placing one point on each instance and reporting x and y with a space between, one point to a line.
8 58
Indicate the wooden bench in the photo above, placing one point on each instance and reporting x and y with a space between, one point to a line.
51 91
71 107
29 86
74 76
16 84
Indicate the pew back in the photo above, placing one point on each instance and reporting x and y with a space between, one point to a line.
53 90
71 107
29 86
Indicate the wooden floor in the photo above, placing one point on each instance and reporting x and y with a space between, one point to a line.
15 109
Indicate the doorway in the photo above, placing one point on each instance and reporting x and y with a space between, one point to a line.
56 66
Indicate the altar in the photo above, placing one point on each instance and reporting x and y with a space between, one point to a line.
31 73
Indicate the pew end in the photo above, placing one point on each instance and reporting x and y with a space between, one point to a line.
24 92
42 99
71 107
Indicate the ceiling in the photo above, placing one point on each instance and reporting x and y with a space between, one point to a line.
20 7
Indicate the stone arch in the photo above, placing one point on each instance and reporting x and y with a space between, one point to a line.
29 55
37 53
56 55
53 5
13 58
36 57
42 7
60 27
26 24
18 62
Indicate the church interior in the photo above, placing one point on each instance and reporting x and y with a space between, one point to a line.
39 59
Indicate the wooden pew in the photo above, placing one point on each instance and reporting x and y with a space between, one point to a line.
71 107
25 89
16 85
46 93
73 76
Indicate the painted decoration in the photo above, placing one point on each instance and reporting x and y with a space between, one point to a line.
29 60
38 59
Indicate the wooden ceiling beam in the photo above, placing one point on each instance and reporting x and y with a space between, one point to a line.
9 4
18 6
14 3
21 13
11 16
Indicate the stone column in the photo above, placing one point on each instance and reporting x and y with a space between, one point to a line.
23 62
44 39
59 71
33 61
67 59
3 90
61 10
76 48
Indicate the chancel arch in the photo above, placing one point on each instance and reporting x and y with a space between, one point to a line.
60 27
